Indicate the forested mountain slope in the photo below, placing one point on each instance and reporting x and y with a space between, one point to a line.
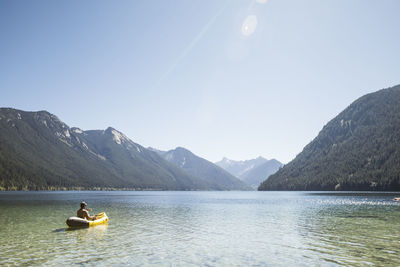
357 150
40 152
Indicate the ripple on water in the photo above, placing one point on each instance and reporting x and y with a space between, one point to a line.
203 228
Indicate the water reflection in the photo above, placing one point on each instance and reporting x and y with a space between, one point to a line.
88 234
59 230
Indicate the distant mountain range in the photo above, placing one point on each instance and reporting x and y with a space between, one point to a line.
253 171
40 152
357 150
200 167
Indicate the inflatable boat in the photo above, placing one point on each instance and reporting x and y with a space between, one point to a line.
79 222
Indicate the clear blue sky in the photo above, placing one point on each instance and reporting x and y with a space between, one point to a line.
222 78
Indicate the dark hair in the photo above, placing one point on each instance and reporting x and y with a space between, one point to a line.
83 204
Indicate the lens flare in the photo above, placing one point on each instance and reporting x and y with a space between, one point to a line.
249 25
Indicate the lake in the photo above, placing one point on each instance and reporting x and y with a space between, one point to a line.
202 228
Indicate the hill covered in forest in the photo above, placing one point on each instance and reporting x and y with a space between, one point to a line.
357 150
40 152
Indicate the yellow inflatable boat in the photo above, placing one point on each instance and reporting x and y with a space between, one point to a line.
79 222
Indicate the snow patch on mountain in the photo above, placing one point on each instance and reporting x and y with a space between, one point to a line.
239 168
85 146
65 142
247 169
183 162
77 130
118 137
98 155
169 156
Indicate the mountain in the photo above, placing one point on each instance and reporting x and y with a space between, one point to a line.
40 152
239 168
204 169
253 171
159 152
260 173
357 150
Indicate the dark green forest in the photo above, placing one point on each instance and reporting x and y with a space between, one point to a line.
357 150
40 152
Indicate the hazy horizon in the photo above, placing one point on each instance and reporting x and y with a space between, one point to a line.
235 79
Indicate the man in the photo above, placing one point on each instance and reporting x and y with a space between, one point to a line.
83 212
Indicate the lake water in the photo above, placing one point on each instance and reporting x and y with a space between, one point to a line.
202 228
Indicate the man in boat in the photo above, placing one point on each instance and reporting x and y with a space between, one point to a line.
84 213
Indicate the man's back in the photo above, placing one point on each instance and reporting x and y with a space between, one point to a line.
82 213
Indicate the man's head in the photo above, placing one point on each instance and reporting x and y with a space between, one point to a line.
83 204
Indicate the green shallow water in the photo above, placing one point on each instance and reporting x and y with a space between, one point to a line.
202 228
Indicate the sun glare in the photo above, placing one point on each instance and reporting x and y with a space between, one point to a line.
249 25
